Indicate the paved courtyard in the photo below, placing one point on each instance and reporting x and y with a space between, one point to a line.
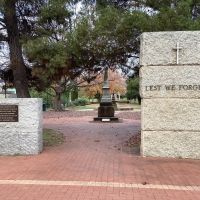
95 164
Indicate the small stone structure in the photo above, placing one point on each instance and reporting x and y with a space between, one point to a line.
170 91
20 126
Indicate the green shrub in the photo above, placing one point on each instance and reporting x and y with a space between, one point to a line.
70 104
81 102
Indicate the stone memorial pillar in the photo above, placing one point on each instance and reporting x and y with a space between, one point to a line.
106 111
21 126
170 91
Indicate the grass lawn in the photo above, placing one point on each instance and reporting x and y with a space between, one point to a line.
86 107
52 138
135 106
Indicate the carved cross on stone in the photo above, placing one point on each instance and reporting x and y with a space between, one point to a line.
177 49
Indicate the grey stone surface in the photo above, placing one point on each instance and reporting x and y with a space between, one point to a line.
175 144
170 94
185 81
157 48
23 137
171 114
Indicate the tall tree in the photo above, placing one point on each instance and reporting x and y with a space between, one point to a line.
133 89
112 36
16 23
176 15
53 58
13 38
19 24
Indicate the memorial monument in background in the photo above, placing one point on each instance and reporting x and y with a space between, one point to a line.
106 111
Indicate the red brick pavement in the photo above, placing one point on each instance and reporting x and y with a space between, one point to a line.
89 193
93 153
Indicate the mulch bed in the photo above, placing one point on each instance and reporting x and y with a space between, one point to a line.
132 145
133 141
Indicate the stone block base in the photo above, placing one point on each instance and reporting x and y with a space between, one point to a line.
175 144
106 111
25 136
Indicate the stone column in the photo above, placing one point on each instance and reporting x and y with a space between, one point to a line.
170 91
106 97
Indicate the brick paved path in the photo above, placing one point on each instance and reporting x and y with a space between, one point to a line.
93 165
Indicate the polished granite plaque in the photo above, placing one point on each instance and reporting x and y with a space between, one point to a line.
9 113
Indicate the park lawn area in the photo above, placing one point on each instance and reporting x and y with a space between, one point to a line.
52 138
89 107
135 106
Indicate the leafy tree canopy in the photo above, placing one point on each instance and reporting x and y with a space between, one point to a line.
62 45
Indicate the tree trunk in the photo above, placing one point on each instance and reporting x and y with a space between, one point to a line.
58 106
139 100
16 59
